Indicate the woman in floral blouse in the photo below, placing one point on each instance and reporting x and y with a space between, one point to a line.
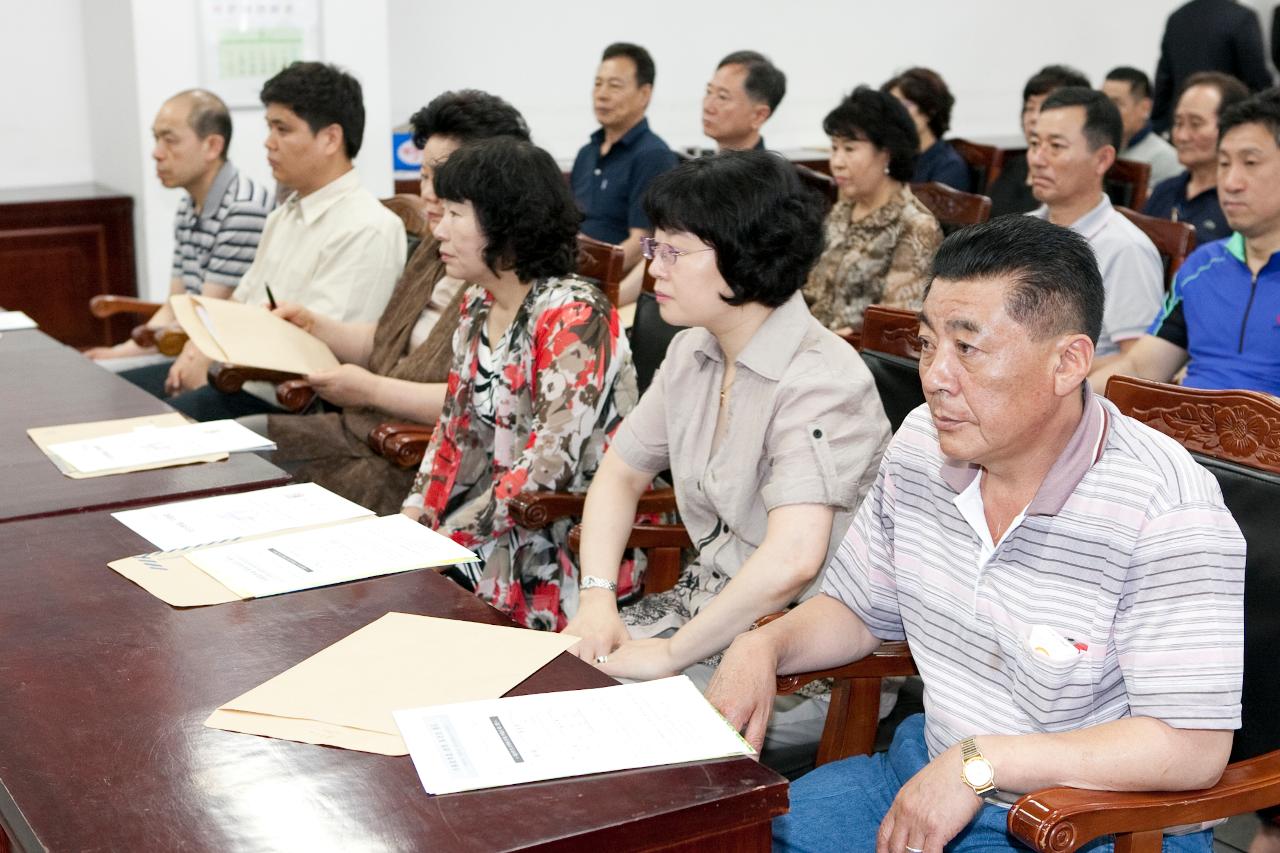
880 239
541 376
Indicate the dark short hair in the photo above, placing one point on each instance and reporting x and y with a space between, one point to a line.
925 88
467 115
645 70
1230 90
1055 286
522 204
882 120
1139 82
751 207
1053 77
321 95
208 115
765 83
1262 108
1102 122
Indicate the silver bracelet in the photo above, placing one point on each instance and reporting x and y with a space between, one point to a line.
593 582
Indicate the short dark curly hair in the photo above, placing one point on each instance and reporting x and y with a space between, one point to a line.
750 206
882 120
925 88
467 115
321 95
522 204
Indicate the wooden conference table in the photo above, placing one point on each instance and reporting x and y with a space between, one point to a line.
105 688
43 383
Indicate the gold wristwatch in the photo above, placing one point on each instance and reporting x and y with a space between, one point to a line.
975 770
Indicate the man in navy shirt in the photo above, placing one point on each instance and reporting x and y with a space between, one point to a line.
613 170
1222 317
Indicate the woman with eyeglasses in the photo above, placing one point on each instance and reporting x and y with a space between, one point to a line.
770 425
541 376
880 239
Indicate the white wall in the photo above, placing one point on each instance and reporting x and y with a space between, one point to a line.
542 56
43 97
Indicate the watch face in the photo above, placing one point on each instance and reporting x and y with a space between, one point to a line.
978 772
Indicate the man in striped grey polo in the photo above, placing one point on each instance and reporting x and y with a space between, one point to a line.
219 219
1069 580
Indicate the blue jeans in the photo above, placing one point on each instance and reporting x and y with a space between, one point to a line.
840 806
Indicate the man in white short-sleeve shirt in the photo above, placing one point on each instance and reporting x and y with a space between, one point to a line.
1073 145
1041 554
331 245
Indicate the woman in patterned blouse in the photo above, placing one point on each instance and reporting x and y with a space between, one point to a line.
541 376
880 240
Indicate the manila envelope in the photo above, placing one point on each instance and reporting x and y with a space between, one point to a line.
175 580
45 436
249 336
344 695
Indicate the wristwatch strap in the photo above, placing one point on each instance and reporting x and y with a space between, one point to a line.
593 582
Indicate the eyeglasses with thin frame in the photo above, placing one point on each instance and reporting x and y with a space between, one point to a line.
667 253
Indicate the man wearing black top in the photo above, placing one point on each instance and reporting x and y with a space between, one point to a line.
1208 35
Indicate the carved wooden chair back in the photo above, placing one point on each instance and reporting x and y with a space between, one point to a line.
1126 183
1173 240
984 162
953 209
602 262
890 347
819 181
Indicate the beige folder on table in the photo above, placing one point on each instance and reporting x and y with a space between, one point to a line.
344 695
46 436
249 336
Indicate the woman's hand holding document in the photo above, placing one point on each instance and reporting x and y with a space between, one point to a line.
250 336
518 739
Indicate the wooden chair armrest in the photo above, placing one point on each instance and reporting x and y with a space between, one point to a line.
144 336
295 394
402 443
1060 820
644 536
170 340
105 305
230 378
536 510
891 659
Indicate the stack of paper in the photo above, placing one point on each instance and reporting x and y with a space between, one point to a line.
496 742
249 336
345 695
232 547
156 447
46 437
12 321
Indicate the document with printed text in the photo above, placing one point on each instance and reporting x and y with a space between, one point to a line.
327 555
153 445
489 743
188 524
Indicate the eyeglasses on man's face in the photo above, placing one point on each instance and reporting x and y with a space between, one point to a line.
667 253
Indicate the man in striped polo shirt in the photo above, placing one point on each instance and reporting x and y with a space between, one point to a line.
1069 580
219 220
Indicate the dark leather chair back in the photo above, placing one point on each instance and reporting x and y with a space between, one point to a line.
1126 183
650 336
898 381
1236 435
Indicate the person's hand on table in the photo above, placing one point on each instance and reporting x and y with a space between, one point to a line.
930 809
122 350
744 686
189 371
296 314
345 385
598 624
641 660
412 512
